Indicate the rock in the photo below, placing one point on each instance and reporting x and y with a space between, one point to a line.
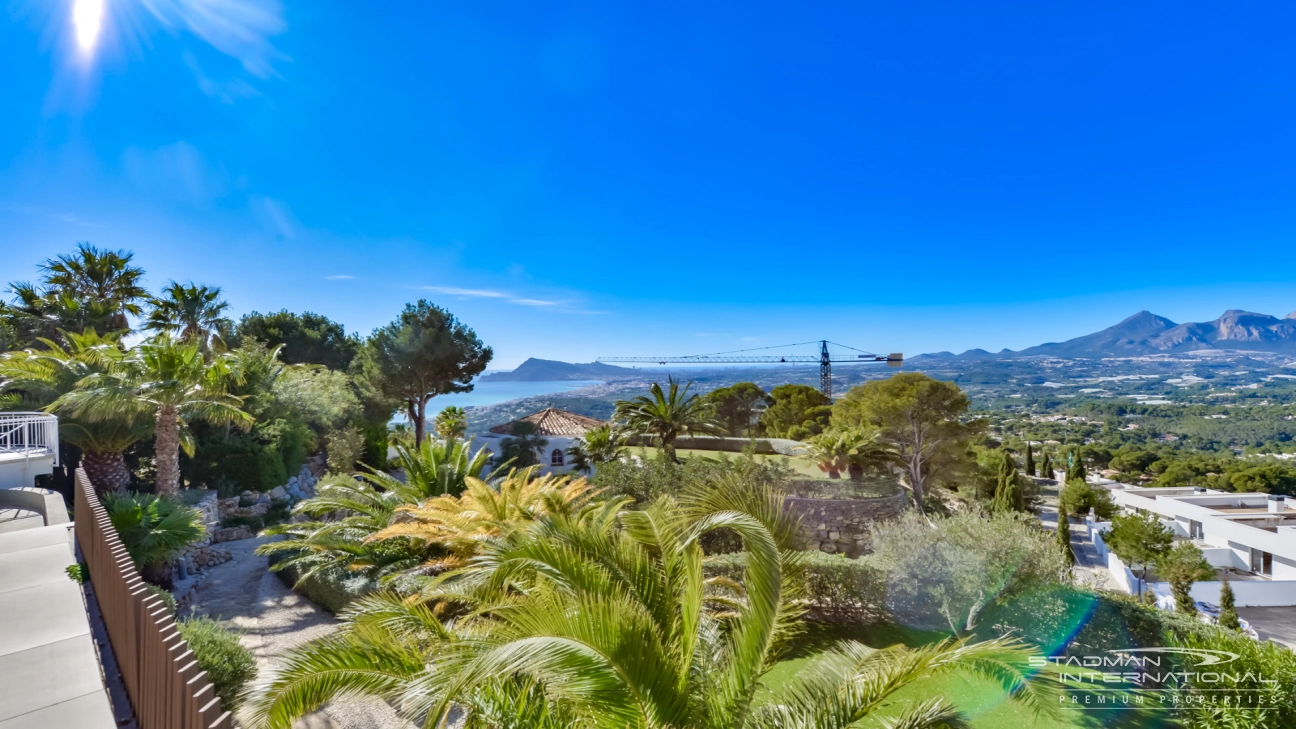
278 492
210 556
230 534
225 507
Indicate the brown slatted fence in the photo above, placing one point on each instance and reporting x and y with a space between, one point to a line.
166 687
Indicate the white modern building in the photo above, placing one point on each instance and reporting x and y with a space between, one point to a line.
1250 534
559 428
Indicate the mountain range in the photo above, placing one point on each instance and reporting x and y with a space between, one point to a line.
1146 333
1141 334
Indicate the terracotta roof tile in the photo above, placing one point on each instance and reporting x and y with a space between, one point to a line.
555 422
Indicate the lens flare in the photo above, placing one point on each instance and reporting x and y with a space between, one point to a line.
87 16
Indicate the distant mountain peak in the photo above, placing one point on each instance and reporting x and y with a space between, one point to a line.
1291 315
549 370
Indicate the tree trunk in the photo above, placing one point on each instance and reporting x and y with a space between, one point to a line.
416 414
916 485
168 450
107 471
669 447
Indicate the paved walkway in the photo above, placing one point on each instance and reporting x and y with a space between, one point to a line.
1089 569
49 669
245 595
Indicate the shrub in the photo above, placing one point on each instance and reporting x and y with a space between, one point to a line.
255 523
837 588
344 446
1078 497
331 589
229 666
943 574
165 595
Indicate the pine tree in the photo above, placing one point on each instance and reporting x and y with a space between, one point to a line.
1030 460
1064 535
1228 617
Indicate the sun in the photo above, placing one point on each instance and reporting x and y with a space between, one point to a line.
87 16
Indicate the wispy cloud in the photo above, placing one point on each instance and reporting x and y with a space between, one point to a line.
533 302
238 28
338 278
479 293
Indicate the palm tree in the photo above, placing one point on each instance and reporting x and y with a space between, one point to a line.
153 530
598 446
172 381
831 451
91 289
101 276
192 311
451 423
666 416
602 618
524 446
38 378
872 453
436 468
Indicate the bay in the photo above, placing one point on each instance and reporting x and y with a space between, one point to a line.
490 393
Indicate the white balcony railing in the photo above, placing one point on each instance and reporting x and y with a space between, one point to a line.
29 434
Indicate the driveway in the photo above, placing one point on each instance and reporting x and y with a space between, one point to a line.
1272 623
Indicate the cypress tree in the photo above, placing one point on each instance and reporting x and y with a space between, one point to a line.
1008 497
1228 617
1046 466
1030 460
1064 535
1078 470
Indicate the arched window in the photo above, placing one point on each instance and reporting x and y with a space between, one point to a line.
556 459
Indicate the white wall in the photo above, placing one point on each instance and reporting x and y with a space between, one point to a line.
21 472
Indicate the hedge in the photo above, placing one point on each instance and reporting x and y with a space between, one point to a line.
837 588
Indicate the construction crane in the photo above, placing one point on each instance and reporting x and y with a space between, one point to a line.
746 356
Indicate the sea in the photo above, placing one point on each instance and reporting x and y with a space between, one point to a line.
489 393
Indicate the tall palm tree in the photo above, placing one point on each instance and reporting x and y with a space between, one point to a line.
666 415
102 276
171 380
39 377
451 423
603 618
195 313
90 289
524 446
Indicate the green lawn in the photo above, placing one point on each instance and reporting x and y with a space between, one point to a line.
802 466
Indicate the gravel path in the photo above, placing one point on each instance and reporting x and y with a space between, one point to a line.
245 595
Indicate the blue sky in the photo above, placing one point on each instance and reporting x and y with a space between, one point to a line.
583 179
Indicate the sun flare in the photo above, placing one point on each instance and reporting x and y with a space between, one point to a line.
87 16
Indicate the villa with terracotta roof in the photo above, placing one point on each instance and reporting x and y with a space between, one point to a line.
560 428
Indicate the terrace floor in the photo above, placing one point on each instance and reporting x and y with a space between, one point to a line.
49 668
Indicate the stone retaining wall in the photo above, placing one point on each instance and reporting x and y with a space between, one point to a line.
843 525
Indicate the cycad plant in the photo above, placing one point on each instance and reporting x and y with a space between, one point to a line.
665 415
347 512
171 381
603 618
457 526
37 378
